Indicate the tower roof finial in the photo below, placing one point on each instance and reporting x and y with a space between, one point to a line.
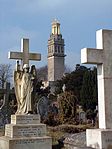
55 21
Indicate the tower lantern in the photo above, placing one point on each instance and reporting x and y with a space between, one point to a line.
55 27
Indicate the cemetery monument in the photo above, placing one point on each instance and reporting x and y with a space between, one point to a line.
25 130
102 56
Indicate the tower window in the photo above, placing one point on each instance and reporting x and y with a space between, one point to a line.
55 48
62 50
48 49
54 30
58 38
58 49
51 49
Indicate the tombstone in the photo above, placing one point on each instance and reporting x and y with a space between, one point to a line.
25 130
42 107
6 91
1 120
102 56
82 117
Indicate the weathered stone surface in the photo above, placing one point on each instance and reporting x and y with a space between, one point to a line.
26 143
25 135
102 56
26 130
24 55
25 119
77 139
70 146
99 138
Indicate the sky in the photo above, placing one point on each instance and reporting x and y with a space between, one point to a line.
79 19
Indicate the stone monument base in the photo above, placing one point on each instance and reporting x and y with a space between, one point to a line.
70 146
25 132
99 138
25 143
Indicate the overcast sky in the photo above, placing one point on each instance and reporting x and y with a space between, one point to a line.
32 19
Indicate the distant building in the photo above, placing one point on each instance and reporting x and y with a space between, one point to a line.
56 55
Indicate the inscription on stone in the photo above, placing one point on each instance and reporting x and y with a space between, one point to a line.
30 141
107 138
43 143
8 130
25 119
25 131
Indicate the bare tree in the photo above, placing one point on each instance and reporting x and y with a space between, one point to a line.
42 73
67 69
5 74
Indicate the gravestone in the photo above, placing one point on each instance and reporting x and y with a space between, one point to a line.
42 107
102 56
5 91
82 117
1 119
25 130
4 110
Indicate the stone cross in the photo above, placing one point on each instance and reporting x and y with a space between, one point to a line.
4 108
6 91
102 56
24 55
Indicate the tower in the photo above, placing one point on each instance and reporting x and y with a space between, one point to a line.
56 56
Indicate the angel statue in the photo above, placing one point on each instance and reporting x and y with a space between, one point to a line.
23 82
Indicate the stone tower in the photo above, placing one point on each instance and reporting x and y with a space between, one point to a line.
56 56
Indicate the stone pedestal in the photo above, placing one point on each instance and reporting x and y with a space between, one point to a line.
25 131
99 138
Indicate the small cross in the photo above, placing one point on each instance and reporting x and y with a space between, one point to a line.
6 91
24 55
102 56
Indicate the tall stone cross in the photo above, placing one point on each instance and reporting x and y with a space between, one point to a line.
24 55
102 56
